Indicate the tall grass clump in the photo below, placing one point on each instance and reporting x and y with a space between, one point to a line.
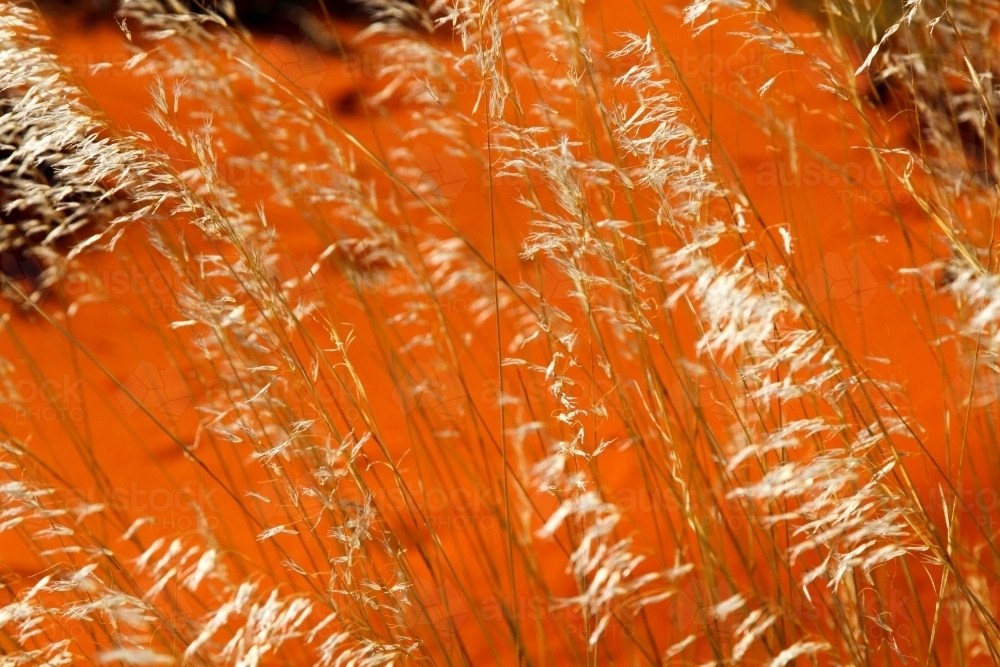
595 333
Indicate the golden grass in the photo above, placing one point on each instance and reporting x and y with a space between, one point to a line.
591 337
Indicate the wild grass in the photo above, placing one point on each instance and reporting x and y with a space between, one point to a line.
605 407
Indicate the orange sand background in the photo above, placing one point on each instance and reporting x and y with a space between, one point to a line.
873 309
